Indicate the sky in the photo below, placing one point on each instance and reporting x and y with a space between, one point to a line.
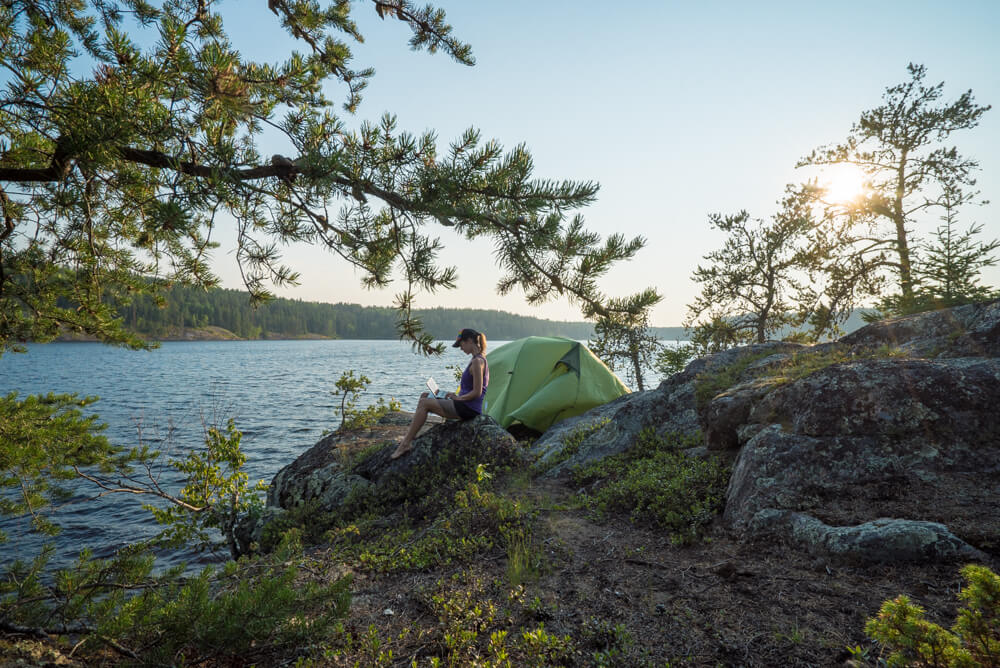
677 110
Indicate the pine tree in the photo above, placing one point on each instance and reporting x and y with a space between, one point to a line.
950 266
131 126
899 145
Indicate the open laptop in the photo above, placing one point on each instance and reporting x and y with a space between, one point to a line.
433 387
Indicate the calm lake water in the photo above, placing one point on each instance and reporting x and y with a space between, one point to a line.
277 391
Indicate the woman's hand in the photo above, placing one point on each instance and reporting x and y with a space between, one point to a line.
451 395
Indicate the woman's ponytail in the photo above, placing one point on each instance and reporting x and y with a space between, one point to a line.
481 342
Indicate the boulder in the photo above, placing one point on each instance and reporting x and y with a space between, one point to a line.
891 454
884 540
971 330
342 465
614 427
875 459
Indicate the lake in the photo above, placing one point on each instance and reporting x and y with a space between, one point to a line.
277 391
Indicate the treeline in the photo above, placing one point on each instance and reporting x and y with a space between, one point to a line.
188 307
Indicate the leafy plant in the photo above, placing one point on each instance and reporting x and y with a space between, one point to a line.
248 611
973 641
349 388
217 493
671 360
570 445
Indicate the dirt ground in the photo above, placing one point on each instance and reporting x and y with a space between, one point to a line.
718 603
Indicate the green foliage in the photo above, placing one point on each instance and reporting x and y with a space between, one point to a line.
948 269
250 611
974 640
671 360
570 445
804 363
656 483
349 388
216 495
623 337
44 440
182 306
128 138
752 288
611 643
710 384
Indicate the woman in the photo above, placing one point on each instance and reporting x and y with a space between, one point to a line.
465 405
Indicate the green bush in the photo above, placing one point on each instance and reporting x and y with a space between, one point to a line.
251 611
973 642
349 388
656 482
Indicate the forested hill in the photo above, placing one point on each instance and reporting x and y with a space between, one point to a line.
287 318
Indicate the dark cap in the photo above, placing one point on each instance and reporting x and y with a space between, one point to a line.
466 334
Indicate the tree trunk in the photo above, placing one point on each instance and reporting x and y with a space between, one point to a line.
902 245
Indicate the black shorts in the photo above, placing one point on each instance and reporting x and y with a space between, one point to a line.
464 412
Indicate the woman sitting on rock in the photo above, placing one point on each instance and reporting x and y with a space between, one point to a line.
465 405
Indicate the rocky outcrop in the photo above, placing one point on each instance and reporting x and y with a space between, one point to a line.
889 452
972 330
346 465
874 459
614 427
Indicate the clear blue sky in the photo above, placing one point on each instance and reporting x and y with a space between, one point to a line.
677 109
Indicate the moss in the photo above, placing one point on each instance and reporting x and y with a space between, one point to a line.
710 384
805 363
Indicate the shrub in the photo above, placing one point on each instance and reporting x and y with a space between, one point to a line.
656 482
974 640
571 445
349 388
251 611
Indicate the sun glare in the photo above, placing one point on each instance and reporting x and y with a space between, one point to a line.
844 183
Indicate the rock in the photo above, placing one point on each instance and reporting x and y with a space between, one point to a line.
880 457
882 540
340 466
835 453
972 330
614 427
250 529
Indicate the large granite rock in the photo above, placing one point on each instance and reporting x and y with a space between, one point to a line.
875 459
614 427
342 465
972 330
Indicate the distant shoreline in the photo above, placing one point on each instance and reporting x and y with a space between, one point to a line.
209 333
214 333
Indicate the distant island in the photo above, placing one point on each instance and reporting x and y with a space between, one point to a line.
220 314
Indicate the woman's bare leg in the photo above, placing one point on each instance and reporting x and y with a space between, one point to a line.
427 404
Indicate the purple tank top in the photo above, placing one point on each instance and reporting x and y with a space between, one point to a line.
466 385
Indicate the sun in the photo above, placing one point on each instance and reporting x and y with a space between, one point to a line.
843 182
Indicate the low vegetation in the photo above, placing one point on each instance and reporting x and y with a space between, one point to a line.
656 483
349 388
909 639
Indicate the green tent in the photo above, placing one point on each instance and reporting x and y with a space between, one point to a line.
540 380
